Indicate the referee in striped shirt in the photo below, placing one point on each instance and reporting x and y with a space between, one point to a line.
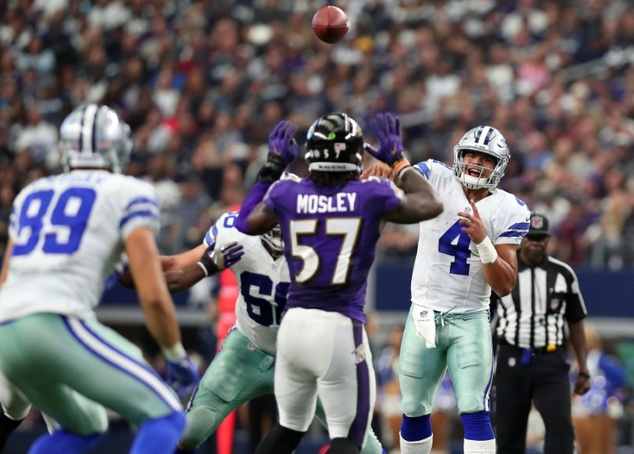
531 362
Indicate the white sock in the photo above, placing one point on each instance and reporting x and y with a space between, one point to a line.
479 447
416 447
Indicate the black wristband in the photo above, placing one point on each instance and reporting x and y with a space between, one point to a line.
208 264
584 375
272 169
398 158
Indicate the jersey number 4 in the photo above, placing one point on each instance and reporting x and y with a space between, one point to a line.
57 226
455 242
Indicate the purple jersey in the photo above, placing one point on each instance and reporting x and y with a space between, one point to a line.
330 236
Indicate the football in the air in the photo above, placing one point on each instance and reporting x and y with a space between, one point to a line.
330 24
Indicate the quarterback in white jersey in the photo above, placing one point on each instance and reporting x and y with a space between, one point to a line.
448 275
67 235
463 254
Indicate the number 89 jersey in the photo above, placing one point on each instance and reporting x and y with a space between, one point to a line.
68 234
263 283
448 271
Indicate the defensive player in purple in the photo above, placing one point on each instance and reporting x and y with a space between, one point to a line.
330 224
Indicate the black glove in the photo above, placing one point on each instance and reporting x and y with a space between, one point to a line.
282 150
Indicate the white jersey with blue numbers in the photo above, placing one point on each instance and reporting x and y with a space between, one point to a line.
69 235
263 282
448 274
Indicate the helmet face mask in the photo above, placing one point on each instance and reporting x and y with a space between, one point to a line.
95 137
488 141
273 239
335 144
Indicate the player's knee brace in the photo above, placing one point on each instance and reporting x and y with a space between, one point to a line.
280 440
343 446
159 435
477 426
64 442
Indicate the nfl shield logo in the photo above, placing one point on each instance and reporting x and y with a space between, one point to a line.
537 222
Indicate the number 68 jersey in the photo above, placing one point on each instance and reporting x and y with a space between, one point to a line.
448 272
262 279
68 233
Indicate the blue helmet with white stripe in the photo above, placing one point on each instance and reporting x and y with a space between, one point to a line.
94 137
487 140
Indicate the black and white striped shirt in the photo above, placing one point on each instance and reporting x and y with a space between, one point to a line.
545 296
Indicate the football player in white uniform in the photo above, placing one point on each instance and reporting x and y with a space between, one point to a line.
68 233
462 254
243 369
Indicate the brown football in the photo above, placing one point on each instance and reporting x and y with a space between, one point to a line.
330 24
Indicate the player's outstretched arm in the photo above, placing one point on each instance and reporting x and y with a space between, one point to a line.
169 263
183 279
158 307
282 151
421 201
154 297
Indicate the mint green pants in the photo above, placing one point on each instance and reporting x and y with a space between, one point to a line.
463 346
240 372
71 369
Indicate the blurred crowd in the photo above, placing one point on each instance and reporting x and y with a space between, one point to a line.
202 83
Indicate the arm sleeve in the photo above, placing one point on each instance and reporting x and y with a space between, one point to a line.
255 196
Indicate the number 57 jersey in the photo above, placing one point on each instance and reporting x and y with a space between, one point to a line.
448 272
330 235
68 234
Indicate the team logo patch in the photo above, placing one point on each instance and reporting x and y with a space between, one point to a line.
251 347
359 354
537 222
512 362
